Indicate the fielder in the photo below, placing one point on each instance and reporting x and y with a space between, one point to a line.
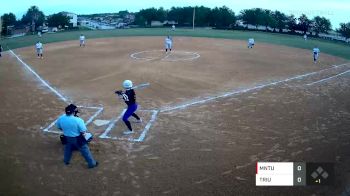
316 53
251 42
82 40
168 43
173 28
305 37
129 97
39 49
0 49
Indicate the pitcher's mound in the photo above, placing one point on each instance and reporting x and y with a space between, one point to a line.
165 56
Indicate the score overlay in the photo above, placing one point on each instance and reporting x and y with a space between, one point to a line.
294 173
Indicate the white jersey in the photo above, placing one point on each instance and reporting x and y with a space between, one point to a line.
82 38
39 45
251 41
168 40
316 51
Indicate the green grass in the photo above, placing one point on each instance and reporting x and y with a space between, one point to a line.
333 48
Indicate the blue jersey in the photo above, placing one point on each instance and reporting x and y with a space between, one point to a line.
129 97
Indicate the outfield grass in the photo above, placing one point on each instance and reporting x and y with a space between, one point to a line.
334 48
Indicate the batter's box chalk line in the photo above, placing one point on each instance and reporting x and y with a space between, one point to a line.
98 111
105 135
146 55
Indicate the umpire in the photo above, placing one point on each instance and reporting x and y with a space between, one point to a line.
73 129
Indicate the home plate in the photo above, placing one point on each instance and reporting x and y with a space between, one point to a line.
100 123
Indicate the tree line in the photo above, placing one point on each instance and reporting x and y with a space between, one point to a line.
33 18
218 17
225 18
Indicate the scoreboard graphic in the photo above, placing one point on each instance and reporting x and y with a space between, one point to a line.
294 174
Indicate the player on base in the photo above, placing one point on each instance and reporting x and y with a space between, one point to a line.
251 42
129 97
39 49
316 53
82 40
168 43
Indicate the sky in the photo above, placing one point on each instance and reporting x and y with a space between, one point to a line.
337 11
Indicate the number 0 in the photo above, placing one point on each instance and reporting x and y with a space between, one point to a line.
299 179
299 168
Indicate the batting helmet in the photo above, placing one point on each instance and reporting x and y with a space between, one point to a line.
127 84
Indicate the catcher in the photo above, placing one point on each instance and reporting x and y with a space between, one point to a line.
129 97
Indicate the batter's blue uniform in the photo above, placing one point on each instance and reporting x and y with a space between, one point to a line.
129 97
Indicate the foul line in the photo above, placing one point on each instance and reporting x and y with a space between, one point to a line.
63 98
182 106
323 80
42 80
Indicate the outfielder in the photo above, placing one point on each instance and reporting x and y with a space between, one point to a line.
168 43
251 42
129 97
82 40
305 37
0 49
316 53
39 49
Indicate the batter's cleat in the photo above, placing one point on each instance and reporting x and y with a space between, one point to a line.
128 132
138 121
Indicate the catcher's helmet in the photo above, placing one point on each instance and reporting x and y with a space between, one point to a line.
71 109
127 84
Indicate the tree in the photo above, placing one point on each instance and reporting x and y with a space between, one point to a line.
161 14
7 20
267 19
202 16
280 20
145 16
248 17
344 30
58 19
222 17
292 23
321 25
304 23
34 17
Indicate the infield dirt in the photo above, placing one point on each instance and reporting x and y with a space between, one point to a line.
206 149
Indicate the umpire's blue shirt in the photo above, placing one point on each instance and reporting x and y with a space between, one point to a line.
71 125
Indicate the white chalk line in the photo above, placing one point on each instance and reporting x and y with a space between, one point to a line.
148 126
329 78
39 78
112 124
195 55
99 110
63 98
182 106
142 135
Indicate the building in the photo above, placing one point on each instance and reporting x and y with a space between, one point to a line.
73 19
